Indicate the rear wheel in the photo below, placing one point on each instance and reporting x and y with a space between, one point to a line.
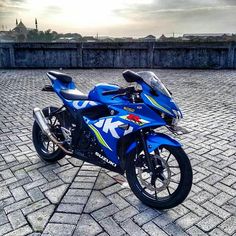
46 149
170 184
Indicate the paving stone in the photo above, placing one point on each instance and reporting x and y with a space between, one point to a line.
38 219
112 189
117 200
216 210
51 185
25 230
68 175
201 197
82 185
65 218
58 229
209 222
194 231
35 194
217 232
188 220
5 193
35 184
221 198
125 214
146 216
95 202
153 230
163 220
173 229
229 226
111 227
79 192
17 219
85 179
133 200
5 228
35 206
87 226
200 211
54 195
74 199
3 217
103 181
105 212
19 193
132 229
70 208
18 205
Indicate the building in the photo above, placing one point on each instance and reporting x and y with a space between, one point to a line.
149 38
20 32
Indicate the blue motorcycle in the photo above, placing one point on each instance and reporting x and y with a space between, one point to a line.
116 128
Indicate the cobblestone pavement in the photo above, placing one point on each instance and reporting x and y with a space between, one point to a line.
72 198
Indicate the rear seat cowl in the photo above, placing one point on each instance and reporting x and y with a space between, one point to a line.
60 76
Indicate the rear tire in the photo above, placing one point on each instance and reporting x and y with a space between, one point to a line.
39 144
177 196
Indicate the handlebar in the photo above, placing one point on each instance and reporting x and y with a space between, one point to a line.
113 92
130 92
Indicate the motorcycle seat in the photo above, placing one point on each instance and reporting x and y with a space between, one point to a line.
64 78
73 94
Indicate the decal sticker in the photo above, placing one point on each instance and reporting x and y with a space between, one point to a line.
129 109
108 125
154 102
134 118
99 137
81 104
105 159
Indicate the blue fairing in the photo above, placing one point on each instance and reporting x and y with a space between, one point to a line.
156 140
109 127
96 94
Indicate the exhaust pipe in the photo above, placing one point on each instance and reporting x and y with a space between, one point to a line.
43 124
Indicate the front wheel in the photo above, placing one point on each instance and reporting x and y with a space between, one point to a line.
171 182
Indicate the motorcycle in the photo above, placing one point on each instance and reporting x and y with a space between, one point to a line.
116 128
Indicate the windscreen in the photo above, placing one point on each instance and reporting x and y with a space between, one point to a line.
154 82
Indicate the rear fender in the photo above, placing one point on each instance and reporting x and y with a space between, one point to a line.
154 141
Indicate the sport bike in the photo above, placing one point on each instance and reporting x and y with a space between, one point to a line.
116 128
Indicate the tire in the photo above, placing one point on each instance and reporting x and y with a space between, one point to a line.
38 143
177 196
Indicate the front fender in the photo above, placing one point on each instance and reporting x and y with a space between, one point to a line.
154 141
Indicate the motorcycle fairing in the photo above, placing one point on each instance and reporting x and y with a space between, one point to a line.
161 102
108 130
156 140
73 104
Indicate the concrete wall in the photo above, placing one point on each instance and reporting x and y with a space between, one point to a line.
118 55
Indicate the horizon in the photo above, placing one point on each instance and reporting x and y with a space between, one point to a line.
119 19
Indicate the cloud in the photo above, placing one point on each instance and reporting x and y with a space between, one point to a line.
134 17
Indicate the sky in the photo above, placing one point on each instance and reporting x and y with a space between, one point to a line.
134 18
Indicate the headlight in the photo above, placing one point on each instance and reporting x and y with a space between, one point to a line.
178 116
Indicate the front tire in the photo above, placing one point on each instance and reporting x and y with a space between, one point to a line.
46 150
167 197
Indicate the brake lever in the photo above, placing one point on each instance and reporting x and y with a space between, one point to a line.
121 94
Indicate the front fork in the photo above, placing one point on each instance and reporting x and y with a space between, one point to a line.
147 155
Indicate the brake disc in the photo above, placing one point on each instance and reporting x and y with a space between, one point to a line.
164 183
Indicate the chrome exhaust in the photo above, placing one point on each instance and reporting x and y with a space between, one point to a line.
43 124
